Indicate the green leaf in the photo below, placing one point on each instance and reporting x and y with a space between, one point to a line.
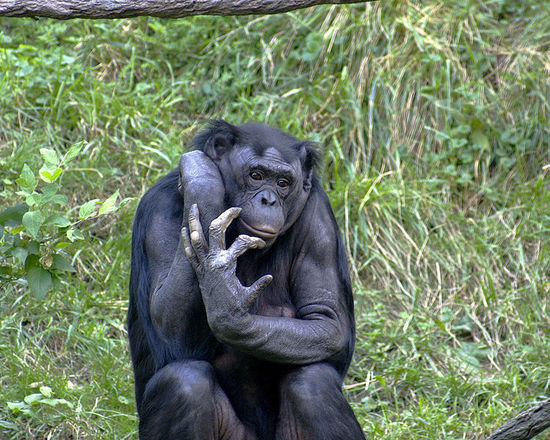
60 199
450 170
48 191
27 181
123 400
55 402
7 271
478 138
73 152
57 220
31 398
49 175
109 204
510 137
461 130
20 253
32 221
32 261
17 230
17 406
8 425
87 209
74 234
46 391
40 281
50 402
313 47
49 156
49 195
13 215
60 263
458 143
33 247
34 199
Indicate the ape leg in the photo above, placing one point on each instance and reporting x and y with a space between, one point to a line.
183 401
313 406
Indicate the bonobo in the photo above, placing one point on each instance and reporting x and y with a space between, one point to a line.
241 312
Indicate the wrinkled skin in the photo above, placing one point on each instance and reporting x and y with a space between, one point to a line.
241 315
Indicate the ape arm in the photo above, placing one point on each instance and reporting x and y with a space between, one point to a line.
174 288
175 302
200 182
318 333
323 325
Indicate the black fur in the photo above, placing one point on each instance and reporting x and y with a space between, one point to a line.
254 394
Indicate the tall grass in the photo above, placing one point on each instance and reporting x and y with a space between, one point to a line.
433 121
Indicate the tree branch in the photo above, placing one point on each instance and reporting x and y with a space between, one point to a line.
525 425
65 9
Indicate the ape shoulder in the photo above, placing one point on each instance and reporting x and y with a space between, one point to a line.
316 227
159 216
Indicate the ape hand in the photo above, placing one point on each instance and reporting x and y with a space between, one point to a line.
225 299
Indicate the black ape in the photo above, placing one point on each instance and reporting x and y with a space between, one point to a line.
214 359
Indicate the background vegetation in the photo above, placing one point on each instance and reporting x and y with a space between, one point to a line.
433 119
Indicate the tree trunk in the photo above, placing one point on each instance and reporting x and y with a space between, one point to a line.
65 9
525 425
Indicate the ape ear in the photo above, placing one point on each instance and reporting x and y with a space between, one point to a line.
217 145
307 180
309 158
217 139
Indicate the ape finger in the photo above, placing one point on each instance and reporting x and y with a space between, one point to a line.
254 290
216 232
188 248
243 243
198 241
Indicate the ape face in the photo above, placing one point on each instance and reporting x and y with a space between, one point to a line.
267 176
268 189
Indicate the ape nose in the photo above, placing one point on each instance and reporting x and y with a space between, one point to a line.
268 198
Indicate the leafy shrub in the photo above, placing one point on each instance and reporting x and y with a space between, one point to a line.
34 234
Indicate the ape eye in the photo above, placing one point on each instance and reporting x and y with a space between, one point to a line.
283 183
255 175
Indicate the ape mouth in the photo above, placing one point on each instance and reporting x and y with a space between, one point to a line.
266 232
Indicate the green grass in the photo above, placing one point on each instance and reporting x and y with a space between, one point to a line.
433 118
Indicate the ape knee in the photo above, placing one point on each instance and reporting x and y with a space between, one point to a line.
185 382
315 406
310 384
